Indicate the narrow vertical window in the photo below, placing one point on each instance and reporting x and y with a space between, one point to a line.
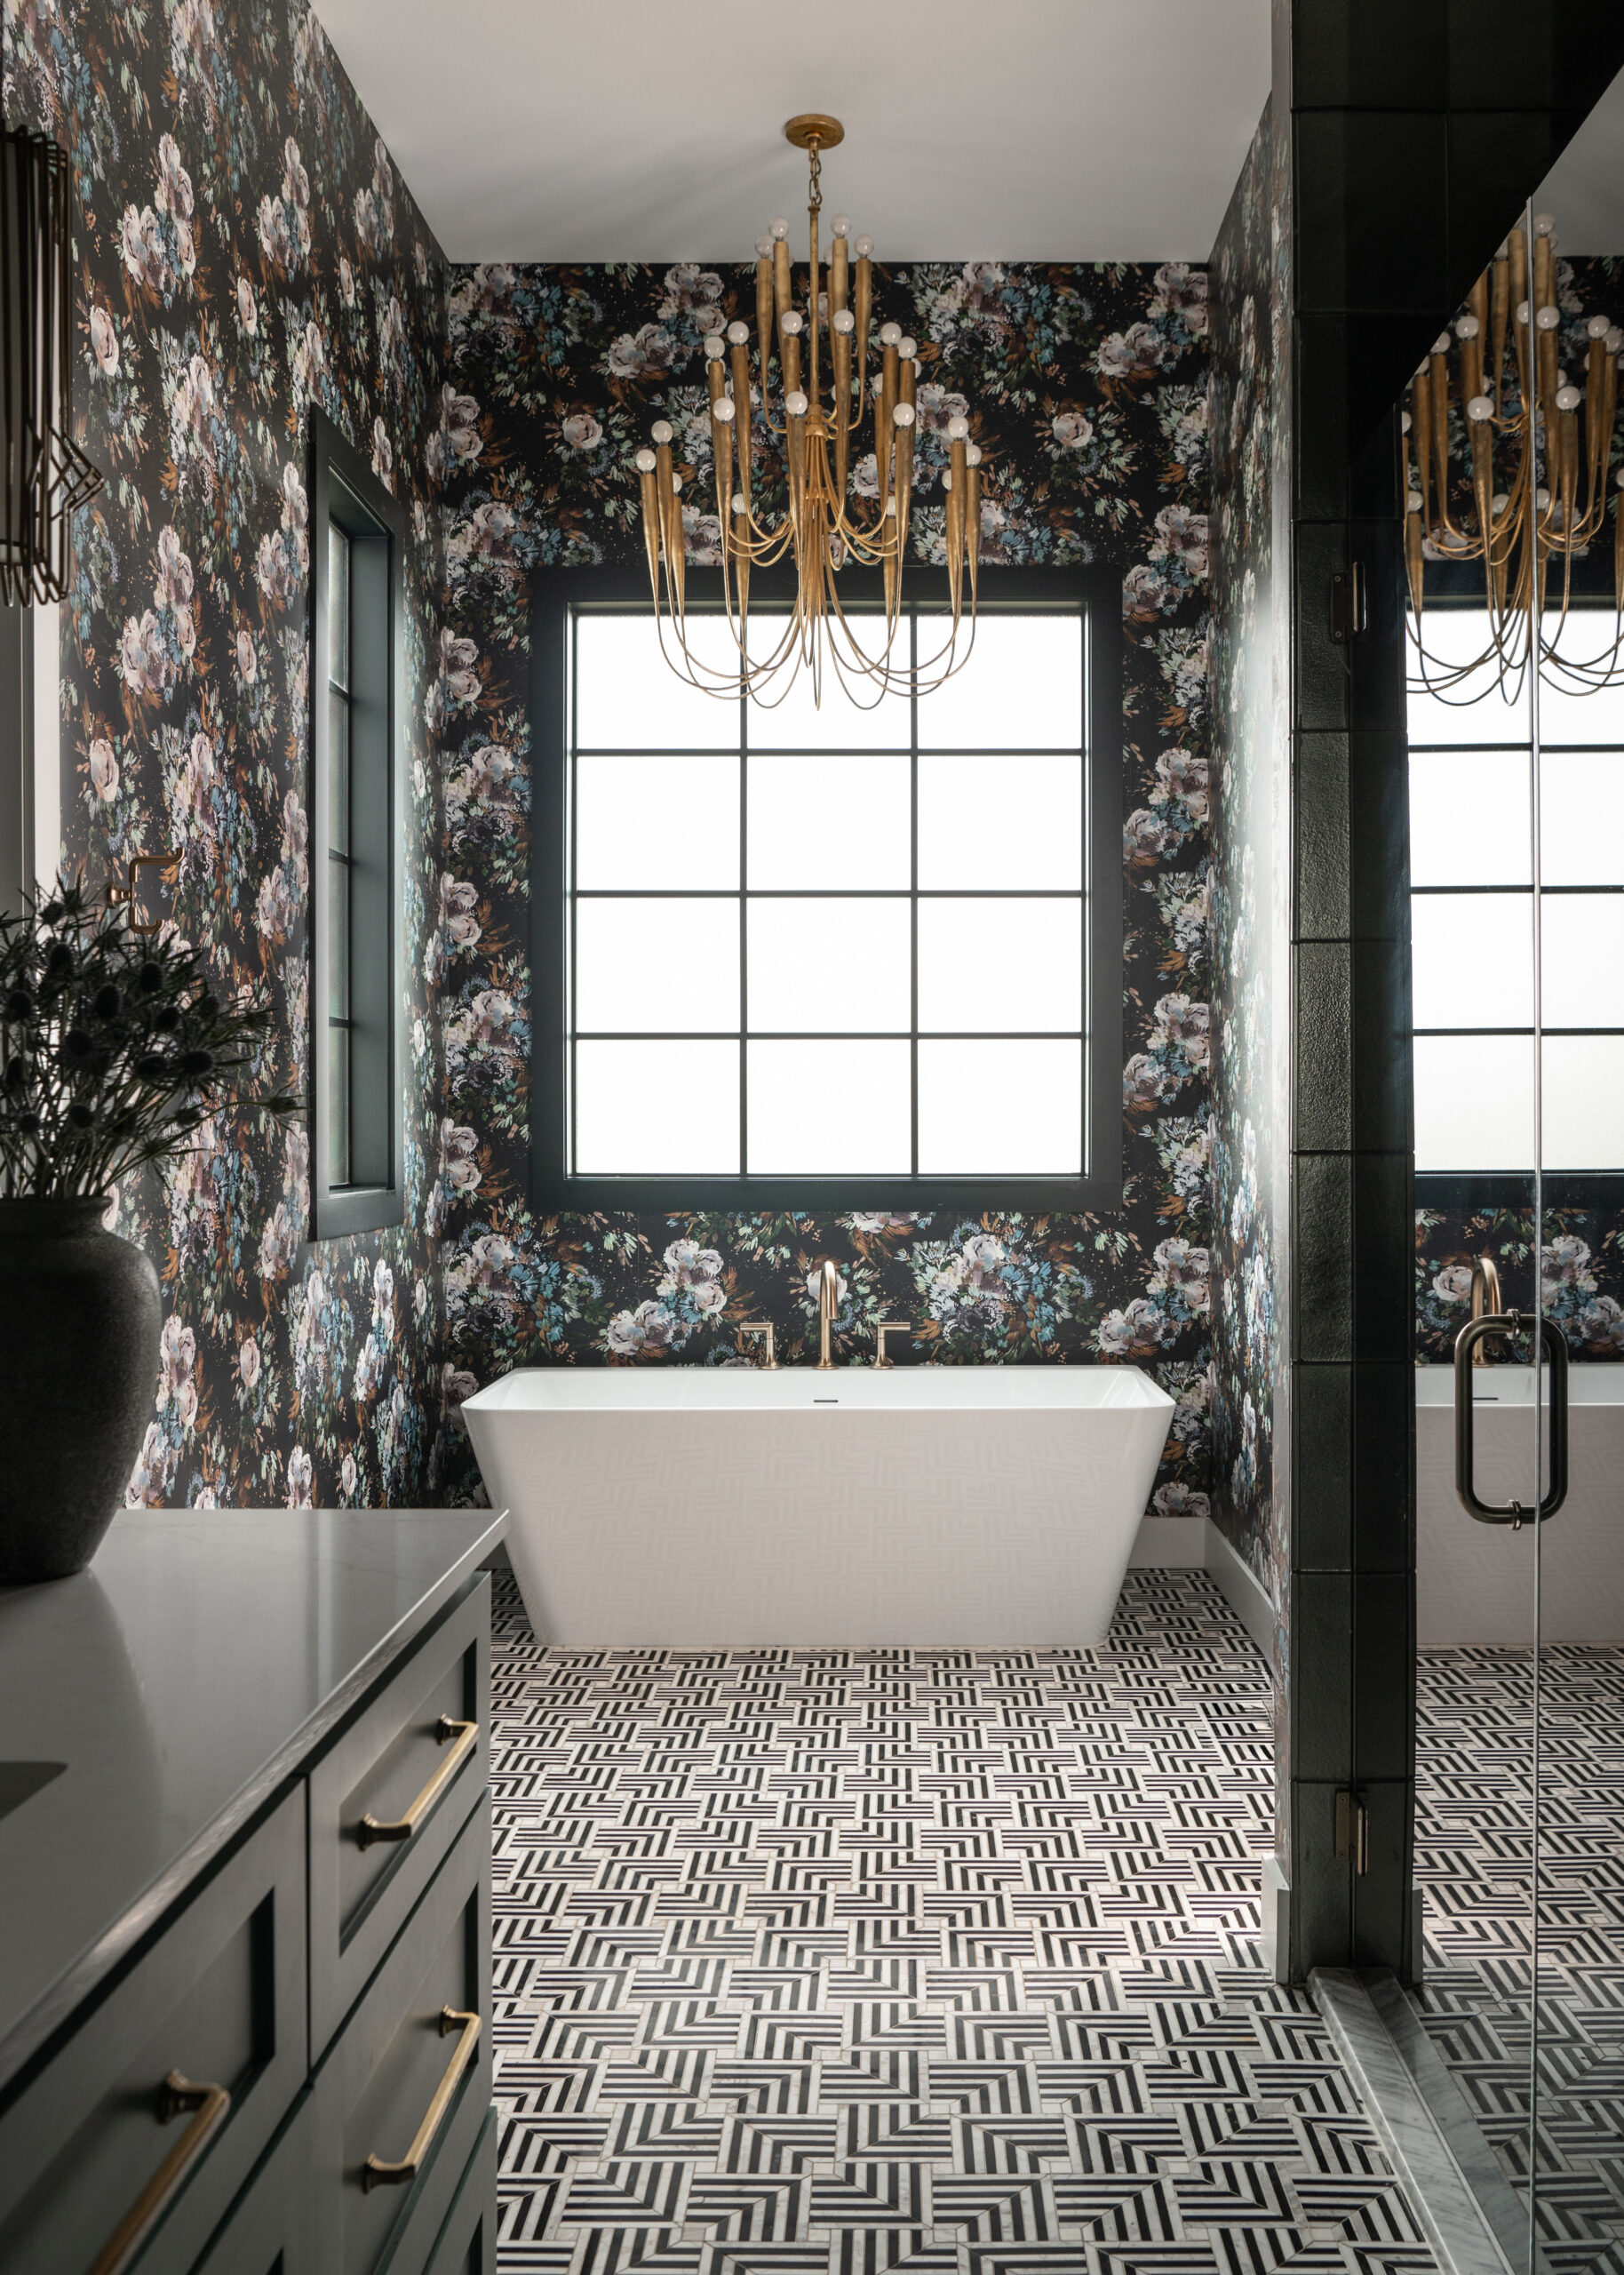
355 805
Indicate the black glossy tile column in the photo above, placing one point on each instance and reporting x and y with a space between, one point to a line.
1417 128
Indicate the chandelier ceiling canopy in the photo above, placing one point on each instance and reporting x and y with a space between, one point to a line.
812 430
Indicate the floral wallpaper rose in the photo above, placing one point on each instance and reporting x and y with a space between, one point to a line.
1088 390
245 249
1251 840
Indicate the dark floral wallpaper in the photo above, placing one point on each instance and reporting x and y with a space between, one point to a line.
1581 1261
245 250
1251 862
1087 391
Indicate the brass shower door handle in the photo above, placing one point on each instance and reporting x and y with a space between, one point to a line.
1555 1345
401 1828
177 2096
379 2172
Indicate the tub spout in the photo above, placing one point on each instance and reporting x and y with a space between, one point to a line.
1485 1297
828 1304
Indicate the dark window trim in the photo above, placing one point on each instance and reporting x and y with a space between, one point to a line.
337 467
553 593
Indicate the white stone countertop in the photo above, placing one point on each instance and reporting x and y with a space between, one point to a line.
177 1683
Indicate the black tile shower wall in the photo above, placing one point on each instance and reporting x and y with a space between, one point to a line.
1087 388
1416 132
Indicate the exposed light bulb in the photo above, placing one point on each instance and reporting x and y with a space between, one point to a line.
972 457
1549 318
676 483
1598 328
646 462
863 247
1404 422
796 404
1542 498
780 226
715 346
1479 408
739 334
1498 502
722 409
764 248
793 323
1466 327
662 430
1615 341
1440 346
947 478
845 323
1414 501
841 225
741 504
958 429
1568 398
1522 312
903 414
907 349
890 334
1543 224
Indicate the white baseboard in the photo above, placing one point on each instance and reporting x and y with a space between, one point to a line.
1244 1592
1176 1541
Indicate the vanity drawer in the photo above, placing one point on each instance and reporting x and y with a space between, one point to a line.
405 2089
386 1799
271 2230
127 2148
467 2243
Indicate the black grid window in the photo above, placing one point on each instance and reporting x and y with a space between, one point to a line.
1472 921
858 951
356 983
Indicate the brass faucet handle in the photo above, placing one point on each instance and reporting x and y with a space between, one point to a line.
889 1327
760 1327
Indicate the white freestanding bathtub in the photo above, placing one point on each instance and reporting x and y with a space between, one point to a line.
1474 1582
734 1505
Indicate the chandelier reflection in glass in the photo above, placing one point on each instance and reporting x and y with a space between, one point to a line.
1537 480
812 414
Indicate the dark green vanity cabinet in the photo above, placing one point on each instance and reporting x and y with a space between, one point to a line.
245 1903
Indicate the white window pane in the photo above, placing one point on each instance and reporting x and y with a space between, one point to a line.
646 822
1584 1102
1036 841
829 823
1470 710
1586 637
646 966
1474 1102
1021 690
852 716
656 1109
828 1109
1583 960
1000 1109
1001 964
1473 959
628 698
826 966
1582 823
1470 822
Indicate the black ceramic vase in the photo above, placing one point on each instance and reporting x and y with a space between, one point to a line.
80 1317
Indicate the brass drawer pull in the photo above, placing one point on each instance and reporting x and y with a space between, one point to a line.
176 2095
401 1828
378 2172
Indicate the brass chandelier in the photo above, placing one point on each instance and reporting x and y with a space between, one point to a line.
1539 476
811 416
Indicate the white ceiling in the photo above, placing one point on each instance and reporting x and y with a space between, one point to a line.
1585 188
1022 129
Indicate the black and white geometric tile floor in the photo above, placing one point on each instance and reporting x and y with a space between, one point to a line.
944 1963
1474 1859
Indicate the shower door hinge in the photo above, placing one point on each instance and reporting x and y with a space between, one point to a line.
1353 1831
1348 614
